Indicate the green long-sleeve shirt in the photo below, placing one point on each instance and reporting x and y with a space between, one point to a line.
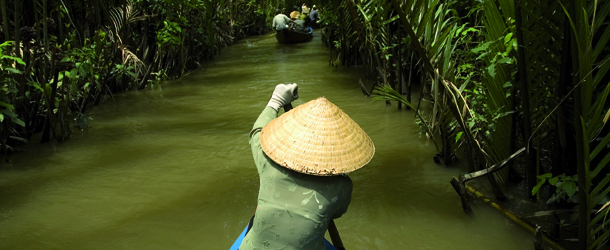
294 209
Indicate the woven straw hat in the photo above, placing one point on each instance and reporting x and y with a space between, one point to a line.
317 138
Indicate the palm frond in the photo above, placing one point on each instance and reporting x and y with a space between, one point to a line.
129 58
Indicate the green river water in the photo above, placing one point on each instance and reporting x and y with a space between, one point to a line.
170 167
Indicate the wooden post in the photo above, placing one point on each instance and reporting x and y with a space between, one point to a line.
459 183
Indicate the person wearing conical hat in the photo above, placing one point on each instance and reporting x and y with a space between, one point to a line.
295 14
305 9
302 158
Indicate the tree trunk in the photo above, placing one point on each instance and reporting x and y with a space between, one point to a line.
397 53
560 158
5 20
580 113
530 157
17 28
409 83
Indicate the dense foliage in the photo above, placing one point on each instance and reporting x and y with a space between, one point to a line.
60 57
526 79
507 78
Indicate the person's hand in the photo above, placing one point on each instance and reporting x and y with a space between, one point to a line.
283 94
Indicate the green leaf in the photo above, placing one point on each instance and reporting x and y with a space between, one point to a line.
1 117
538 186
554 180
544 176
10 106
482 47
570 188
37 86
506 60
471 29
9 113
507 38
13 70
492 70
66 59
82 71
471 124
12 58
7 43
457 137
19 122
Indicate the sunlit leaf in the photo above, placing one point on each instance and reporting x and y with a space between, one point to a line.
492 70
19 122
457 137
13 70
10 106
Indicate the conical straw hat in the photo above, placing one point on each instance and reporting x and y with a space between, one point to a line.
317 138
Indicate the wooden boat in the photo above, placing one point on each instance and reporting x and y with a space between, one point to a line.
289 36
237 243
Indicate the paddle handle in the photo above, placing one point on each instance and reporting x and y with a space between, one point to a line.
287 107
334 235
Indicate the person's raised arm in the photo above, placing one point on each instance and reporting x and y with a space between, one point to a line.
283 94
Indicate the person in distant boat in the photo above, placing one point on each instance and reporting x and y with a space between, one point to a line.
313 15
305 9
302 158
295 14
280 21
299 26
305 13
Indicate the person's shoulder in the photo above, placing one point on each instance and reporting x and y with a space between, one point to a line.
343 180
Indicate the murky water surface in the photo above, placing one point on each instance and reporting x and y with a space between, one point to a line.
170 167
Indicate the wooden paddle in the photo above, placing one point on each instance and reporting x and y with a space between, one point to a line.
334 235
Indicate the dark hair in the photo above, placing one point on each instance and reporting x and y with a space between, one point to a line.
315 8
278 11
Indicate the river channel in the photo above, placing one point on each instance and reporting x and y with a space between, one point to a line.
170 167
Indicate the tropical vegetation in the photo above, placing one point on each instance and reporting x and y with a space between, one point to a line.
517 80
515 86
58 57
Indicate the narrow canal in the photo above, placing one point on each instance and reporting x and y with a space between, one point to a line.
170 167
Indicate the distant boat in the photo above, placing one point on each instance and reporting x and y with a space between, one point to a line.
289 36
